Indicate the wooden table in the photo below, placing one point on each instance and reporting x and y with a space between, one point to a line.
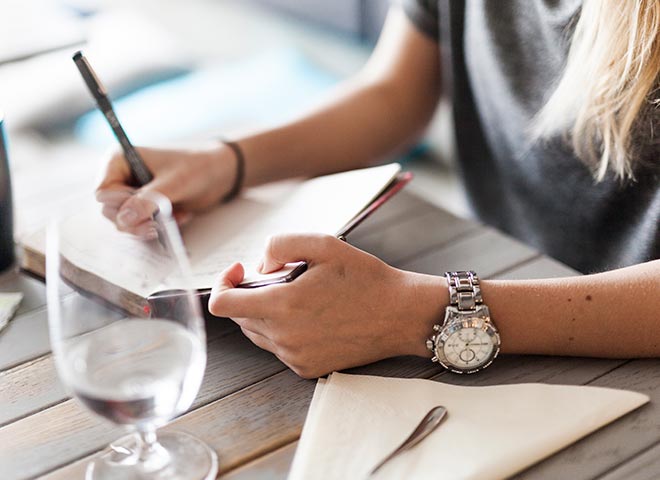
251 408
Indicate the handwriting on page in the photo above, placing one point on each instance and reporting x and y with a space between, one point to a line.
232 232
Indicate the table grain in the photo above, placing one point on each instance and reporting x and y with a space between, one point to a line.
251 408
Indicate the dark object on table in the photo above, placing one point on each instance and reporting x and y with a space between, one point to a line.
6 212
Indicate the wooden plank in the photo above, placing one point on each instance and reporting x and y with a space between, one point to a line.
33 386
261 418
245 445
562 370
60 434
29 388
274 465
26 336
51 397
412 236
24 339
614 444
642 467
510 369
540 267
518 369
403 205
425 368
487 252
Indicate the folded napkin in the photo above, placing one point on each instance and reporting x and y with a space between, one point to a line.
9 303
354 421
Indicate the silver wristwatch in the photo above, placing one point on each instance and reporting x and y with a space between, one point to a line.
467 341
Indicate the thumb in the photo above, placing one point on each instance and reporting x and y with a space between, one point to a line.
288 248
230 278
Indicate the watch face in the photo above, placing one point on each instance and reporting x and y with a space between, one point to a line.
467 346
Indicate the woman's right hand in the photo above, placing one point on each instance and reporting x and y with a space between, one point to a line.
193 180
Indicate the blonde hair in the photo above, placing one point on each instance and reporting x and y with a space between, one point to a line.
609 86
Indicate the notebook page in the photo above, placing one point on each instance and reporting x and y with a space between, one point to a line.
93 244
233 232
239 231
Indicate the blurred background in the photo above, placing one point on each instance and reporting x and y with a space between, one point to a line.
178 71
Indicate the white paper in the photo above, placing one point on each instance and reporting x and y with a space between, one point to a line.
237 231
490 432
9 303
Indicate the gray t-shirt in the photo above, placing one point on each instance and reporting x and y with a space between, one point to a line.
500 62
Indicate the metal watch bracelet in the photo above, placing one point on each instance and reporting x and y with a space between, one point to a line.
467 340
464 290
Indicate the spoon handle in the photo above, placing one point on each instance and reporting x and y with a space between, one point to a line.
429 423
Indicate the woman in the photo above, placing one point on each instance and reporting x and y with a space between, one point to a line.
557 120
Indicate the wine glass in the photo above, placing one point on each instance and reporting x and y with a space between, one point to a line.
139 370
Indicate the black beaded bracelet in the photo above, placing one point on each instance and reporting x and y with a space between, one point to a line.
240 171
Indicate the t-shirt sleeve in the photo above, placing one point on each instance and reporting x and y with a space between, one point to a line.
424 14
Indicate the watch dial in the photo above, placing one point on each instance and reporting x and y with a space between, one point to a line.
468 348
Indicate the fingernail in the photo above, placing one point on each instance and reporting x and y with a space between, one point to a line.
184 219
152 234
126 217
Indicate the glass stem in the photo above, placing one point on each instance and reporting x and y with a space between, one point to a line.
152 455
148 442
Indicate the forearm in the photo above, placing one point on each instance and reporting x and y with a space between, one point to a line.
360 125
611 314
614 314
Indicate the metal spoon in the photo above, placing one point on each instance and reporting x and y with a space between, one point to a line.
428 424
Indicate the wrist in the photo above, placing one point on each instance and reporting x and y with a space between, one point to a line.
222 169
239 171
426 299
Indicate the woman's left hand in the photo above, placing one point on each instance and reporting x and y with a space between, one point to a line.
348 309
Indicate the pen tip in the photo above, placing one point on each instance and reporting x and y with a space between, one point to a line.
77 56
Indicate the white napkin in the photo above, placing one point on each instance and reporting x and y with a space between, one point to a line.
354 421
9 303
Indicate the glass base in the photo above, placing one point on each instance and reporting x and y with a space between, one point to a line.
175 456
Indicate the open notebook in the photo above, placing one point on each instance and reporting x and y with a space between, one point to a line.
126 271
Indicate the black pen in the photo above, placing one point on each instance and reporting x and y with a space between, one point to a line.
140 172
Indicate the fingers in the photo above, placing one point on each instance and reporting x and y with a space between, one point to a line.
288 248
114 209
129 211
182 218
230 278
228 301
134 212
135 216
114 197
117 173
147 230
259 340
